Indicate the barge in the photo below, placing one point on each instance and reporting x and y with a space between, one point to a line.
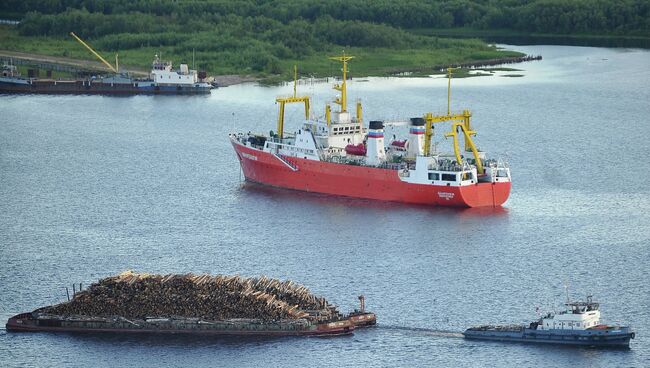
38 321
193 304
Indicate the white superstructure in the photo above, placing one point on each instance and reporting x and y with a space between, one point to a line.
577 316
162 73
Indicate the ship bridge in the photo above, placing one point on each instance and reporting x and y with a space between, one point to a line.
577 316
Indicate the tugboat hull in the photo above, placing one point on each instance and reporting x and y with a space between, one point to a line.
605 338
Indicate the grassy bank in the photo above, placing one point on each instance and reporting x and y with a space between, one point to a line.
265 37
386 62
370 61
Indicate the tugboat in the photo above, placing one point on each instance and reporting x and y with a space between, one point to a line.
339 155
578 325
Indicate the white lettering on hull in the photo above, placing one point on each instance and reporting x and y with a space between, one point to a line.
249 156
446 195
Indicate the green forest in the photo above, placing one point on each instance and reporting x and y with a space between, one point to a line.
266 36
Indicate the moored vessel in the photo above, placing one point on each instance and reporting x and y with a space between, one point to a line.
162 80
578 325
339 154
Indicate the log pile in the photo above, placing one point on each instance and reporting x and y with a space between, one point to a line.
216 298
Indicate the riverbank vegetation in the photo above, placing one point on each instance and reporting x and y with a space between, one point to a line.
267 36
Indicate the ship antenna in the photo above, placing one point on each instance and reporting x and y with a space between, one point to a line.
295 79
449 70
566 288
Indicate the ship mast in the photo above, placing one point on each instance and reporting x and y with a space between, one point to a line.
343 99
293 99
459 122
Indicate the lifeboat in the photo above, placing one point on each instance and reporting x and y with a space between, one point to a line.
356 150
399 144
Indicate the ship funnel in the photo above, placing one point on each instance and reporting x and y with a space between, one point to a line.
416 137
375 154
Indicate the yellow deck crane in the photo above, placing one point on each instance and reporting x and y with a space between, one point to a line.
113 69
459 121
293 99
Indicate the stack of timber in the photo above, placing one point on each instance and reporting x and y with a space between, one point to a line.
134 295
140 302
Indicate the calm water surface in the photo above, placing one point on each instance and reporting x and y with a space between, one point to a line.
91 186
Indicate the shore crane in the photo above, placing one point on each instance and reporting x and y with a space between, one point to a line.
113 69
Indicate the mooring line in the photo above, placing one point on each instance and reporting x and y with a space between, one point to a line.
427 331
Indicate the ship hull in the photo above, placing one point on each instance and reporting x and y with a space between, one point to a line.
363 319
90 87
27 323
591 338
361 181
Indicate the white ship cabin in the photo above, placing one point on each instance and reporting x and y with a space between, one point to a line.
577 316
10 71
162 73
317 139
344 130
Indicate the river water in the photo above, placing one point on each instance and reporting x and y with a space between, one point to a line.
91 186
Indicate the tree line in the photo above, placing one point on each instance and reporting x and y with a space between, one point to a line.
259 34
547 16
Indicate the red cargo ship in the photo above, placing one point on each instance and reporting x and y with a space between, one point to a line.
337 155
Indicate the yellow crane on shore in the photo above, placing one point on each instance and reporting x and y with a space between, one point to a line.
113 69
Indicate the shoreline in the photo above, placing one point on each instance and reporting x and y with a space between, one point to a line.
520 38
441 69
69 64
